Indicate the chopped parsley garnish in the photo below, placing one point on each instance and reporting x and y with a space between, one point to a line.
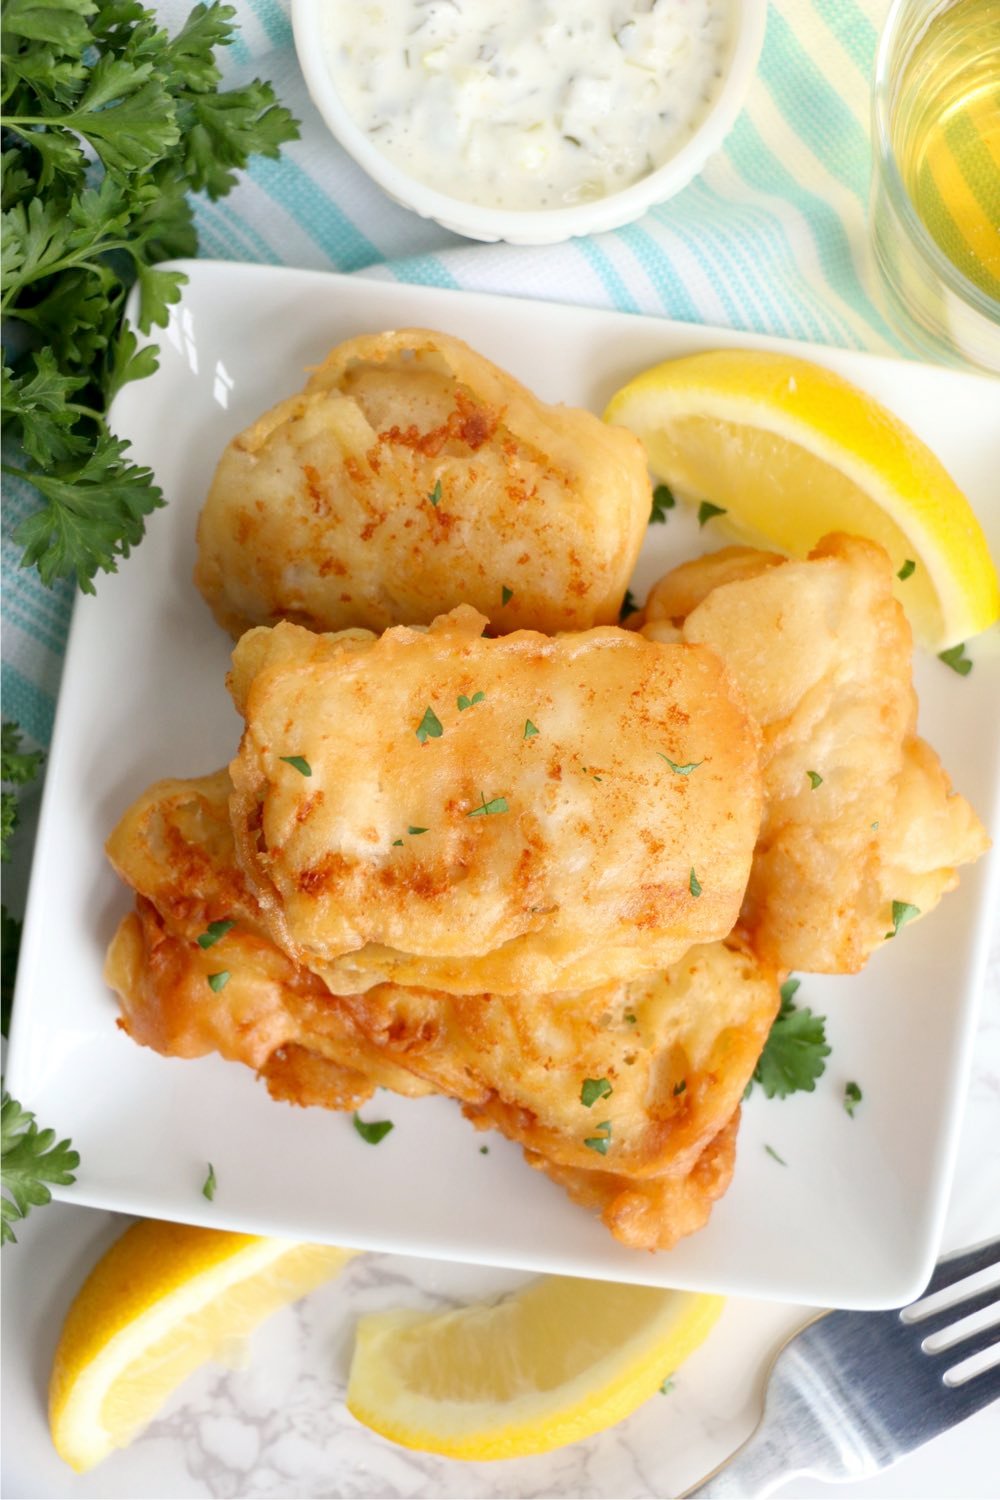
852 1098
902 912
397 843
435 495
372 1132
694 884
31 1159
629 605
506 595
771 1152
430 726
414 830
630 1018
529 730
464 702
600 1142
907 570
707 510
219 981
209 1185
486 809
213 933
956 659
299 762
484 1150
666 1386
594 1089
680 1087
795 1051
875 826
663 501
692 765
815 779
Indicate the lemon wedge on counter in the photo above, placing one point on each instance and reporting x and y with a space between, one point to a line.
548 1365
791 451
163 1300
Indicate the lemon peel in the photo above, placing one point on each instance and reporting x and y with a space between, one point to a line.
545 1366
792 451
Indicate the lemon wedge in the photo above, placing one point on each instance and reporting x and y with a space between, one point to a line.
548 1365
791 451
163 1300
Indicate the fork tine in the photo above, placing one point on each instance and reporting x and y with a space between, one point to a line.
945 1316
972 1395
976 1342
960 1266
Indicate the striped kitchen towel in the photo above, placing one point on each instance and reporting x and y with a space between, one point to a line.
772 237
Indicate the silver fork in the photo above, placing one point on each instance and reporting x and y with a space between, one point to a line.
852 1392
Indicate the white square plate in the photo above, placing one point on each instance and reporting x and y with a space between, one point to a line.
854 1217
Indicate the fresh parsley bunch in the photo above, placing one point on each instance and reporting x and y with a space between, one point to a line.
107 123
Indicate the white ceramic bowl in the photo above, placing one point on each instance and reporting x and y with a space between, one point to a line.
540 226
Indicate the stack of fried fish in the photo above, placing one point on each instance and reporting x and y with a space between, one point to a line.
508 851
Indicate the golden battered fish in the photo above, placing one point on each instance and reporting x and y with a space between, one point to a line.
613 1091
858 813
518 815
411 475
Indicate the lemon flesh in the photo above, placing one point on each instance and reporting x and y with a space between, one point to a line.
545 1366
792 451
165 1299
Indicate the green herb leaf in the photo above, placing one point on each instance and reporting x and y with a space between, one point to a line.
852 1098
506 595
298 762
464 702
666 1387
29 1159
600 1143
219 980
594 1089
415 831
907 570
372 1132
213 933
487 809
209 1185
692 765
430 726
694 885
10 947
17 768
795 1051
397 843
771 1152
902 912
435 495
629 605
484 1150
630 1018
956 659
663 501
679 1088
707 510
529 730
815 779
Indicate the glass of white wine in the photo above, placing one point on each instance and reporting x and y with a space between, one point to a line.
935 210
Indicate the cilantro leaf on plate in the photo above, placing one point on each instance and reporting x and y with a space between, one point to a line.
795 1052
31 1158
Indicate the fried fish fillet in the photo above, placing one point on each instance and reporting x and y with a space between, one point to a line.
411 475
649 1073
858 812
518 815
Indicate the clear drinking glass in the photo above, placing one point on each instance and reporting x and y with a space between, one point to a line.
935 205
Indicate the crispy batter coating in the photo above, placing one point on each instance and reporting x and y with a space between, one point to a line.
822 652
667 1056
411 475
556 859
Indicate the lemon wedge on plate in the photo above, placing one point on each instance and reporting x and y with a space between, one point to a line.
547 1365
163 1300
791 451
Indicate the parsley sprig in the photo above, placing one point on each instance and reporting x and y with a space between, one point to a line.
31 1159
108 123
795 1052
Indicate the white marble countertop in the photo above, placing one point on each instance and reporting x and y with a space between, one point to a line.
278 1425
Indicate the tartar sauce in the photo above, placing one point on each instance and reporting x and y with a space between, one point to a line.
528 104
